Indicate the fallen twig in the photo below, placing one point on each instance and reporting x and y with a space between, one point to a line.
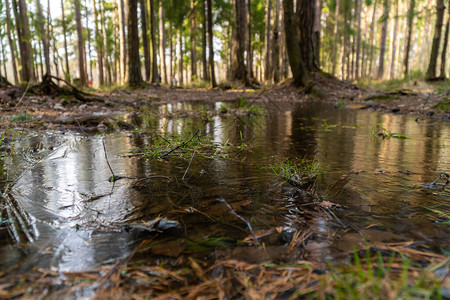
107 161
24 93
182 145
240 218
192 157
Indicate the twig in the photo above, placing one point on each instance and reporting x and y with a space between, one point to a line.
150 177
183 144
107 161
240 218
21 98
192 157
434 183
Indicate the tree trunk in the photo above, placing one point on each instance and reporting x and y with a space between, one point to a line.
238 65
123 41
268 44
344 43
316 32
151 16
409 37
210 45
91 76
372 36
145 40
276 44
431 72
66 52
385 18
23 33
134 63
335 33
394 41
162 44
171 70
301 75
444 47
204 46
180 58
12 46
358 38
249 40
81 62
193 43
98 46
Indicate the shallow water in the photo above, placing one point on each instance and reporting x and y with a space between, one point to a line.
65 212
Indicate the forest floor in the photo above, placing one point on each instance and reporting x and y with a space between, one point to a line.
36 110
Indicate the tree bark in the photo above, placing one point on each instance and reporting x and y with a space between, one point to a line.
358 39
316 32
249 40
180 58
211 46
335 33
10 41
154 48
239 71
171 70
134 63
412 5
444 48
394 41
371 38
106 64
162 43
66 52
81 62
385 18
299 71
98 46
144 33
431 72
193 42
23 33
123 41
276 45
268 44
204 45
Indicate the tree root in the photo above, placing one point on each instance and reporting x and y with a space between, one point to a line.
50 88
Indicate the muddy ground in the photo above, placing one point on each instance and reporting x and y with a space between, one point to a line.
37 110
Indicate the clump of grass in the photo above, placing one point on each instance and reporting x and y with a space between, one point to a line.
443 105
298 172
372 277
21 117
385 134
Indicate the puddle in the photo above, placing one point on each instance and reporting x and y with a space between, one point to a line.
67 214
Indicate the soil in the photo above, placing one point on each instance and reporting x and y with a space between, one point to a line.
33 109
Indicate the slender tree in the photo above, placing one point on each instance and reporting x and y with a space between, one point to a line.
12 46
180 57
66 52
412 5
23 33
385 18
162 43
134 64
98 45
204 45
394 41
276 45
249 40
123 41
211 46
193 41
335 34
238 64
431 72
268 43
145 40
154 47
358 37
81 55
444 48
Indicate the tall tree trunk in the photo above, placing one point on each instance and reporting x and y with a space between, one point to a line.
171 70
316 32
180 58
344 43
394 41
145 40
106 63
23 33
358 38
193 42
86 22
249 40
276 44
162 43
335 33
204 46
385 18
211 45
431 72
151 16
305 14
134 63
3 60
81 62
444 48
12 46
98 46
238 65
412 5
123 41
66 52
372 37
268 43
299 71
